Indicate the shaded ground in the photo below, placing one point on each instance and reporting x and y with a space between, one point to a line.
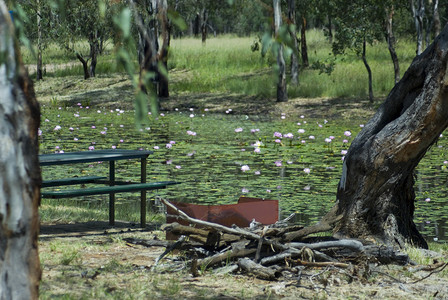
115 91
92 260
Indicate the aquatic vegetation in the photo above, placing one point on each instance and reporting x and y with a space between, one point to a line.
220 157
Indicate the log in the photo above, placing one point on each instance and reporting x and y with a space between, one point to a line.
255 269
229 254
350 244
197 233
321 264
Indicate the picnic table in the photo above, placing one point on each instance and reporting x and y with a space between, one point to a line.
112 186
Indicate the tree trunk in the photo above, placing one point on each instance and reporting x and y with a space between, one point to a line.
390 38
163 56
94 50
148 47
376 194
292 32
204 25
369 71
20 174
282 95
330 30
85 65
304 47
418 15
39 71
436 18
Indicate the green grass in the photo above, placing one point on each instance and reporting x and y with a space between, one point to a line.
226 64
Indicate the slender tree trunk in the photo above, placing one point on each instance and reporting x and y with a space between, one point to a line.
390 38
20 173
204 25
39 69
418 14
163 56
436 18
303 44
330 30
94 50
295 50
85 65
376 194
148 47
282 95
196 25
369 71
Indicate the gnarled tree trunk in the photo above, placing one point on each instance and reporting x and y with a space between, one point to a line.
375 194
19 172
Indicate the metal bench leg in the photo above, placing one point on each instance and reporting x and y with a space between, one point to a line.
112 195
143 195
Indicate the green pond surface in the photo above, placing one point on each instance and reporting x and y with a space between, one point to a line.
218 158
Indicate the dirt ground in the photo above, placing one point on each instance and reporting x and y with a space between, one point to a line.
102 92
107 267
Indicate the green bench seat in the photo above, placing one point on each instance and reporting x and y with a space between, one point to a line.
107 189
72 181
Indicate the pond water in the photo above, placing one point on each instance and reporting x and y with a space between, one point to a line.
296 160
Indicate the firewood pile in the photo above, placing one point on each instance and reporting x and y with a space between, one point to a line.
266 252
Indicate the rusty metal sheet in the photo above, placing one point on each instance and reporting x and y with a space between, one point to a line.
241 214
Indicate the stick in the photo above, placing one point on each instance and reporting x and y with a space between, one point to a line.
258 270
211 260
351 244
175 245
322 264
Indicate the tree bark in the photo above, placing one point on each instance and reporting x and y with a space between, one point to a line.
39 71
390 39
204 20
94 51
292 32
163 55
418 14
148 48
436 18
85 65
376 194
369 71
19 172
282 95
303 44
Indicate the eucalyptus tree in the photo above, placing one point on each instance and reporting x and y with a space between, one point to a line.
358 25
84 20
282 95
37 25
376 197
19 171
418 13
292 31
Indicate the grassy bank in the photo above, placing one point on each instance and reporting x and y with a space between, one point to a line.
226 64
